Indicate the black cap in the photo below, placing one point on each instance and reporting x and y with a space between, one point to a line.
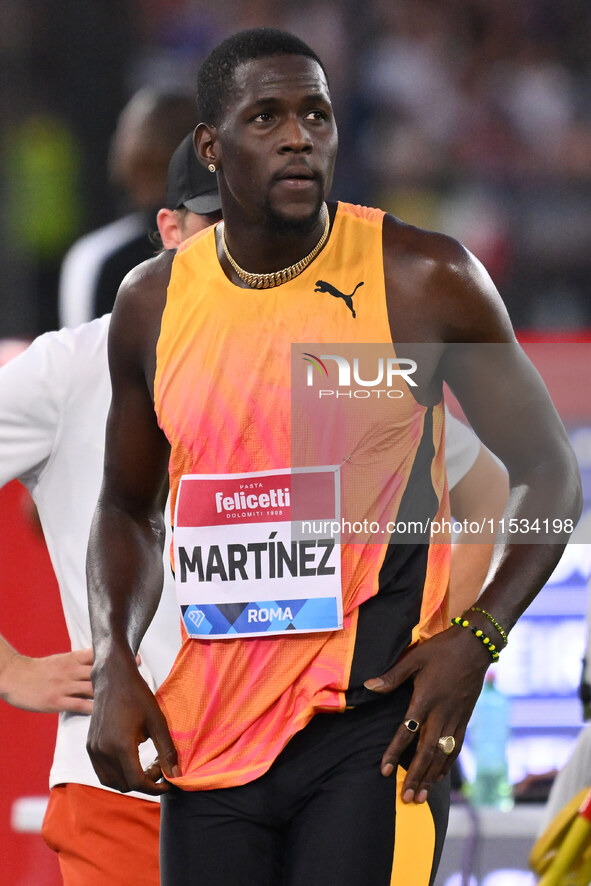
189 183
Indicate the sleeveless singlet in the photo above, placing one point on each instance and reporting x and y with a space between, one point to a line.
224 398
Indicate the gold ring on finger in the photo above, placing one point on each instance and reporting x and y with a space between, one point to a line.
447 744
412 725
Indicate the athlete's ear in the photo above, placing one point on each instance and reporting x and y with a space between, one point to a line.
205 138
169 228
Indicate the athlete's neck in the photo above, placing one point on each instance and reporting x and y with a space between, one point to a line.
259 250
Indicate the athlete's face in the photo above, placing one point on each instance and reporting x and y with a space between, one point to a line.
276 144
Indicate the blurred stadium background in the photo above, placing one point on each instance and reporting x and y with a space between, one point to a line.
466 116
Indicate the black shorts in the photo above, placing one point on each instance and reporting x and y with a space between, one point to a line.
323 815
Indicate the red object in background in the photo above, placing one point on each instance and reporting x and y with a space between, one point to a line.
32 620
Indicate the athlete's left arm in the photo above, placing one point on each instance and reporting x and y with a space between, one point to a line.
508 406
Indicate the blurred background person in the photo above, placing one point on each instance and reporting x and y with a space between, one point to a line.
148 130
468 117
54 399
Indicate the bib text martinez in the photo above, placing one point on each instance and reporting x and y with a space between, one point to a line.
267 559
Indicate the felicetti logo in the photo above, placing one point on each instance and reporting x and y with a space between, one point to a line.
349 382
272 498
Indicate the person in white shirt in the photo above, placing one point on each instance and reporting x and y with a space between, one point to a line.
54 399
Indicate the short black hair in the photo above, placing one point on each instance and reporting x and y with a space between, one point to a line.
216 74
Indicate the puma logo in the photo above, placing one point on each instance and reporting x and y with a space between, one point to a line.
322 286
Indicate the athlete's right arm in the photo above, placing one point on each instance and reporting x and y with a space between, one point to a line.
124 565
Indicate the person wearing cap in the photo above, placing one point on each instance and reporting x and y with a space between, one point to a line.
54 399
190 187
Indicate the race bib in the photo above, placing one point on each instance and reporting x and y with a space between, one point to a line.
239 571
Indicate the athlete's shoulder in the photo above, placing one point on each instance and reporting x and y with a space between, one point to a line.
147 280
137 313
417 244
437 280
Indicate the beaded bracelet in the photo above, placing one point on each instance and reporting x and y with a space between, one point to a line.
479 634
493 621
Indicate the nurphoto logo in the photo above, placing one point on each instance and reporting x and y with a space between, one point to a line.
386 372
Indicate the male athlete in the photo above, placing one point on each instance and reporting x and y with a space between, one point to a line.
62 382
309 668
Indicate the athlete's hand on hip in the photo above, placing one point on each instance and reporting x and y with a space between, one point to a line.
447 673
126 714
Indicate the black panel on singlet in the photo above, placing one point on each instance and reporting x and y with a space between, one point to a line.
385 624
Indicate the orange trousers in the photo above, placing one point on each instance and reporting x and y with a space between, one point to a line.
103 837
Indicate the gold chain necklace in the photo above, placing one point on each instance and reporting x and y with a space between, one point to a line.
276 278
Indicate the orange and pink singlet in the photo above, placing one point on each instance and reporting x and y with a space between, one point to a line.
226 399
